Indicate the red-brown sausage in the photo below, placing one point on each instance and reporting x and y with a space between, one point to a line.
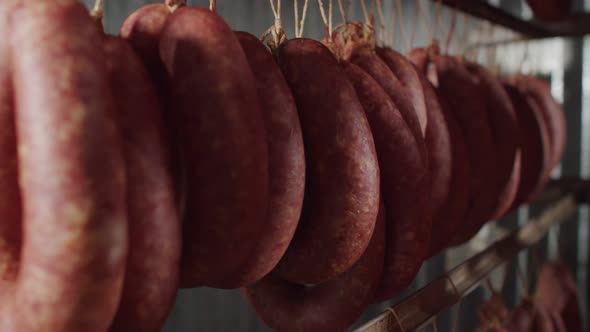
553 115
542 320
404 183
286 160
408 228
451 216
376 67
535 154
493 311
143 29
445 222
440 159
465 99
10 200
151 279
354 43
222 144
501 117
557 321
330 306
522 318
504 125
557 291
342 185
403 86
72 174
403 69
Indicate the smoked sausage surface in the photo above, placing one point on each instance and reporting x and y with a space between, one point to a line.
504 124
408 228
450 217
10 200
440 159
342 180
413 94
71 173
286 160
143 29
522 318
497 109
222 146
535 152
557 291
465 99
553 115
151 278
330 306
376 67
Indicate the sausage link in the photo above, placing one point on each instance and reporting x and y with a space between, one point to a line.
143 29
556 321
286 161
501 117
378 69
552 114
504 125
72 174
542 321
557 291
330 306
452 217
222 143
465 100
408 228
342 185
438 143
403 69
535 152
522 318
449 218
151 279
10 200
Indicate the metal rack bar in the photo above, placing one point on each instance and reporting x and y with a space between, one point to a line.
575 25
418 310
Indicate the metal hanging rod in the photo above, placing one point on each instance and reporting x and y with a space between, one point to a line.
575 25
418 310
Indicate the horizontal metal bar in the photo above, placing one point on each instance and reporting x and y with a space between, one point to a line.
422 307
575 25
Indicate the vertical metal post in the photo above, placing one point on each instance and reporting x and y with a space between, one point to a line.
572 104
512 283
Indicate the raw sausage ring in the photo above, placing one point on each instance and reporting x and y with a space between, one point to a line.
222 145
74 222
330 306
400 148
151 278
342 180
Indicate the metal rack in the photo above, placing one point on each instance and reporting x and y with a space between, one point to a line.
418 310
575 25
